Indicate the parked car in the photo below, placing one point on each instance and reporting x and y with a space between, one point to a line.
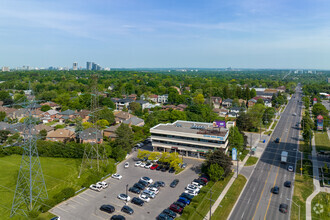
155 185
172 170
117 217
287 184
149 193
176 208
126 165
95 187
184 165
102 184
169 212
182 205
142 165
153 189
127 210
192 187
116 176
137 201
197 184
283 208
144 197
160 183
124 197
184 200
186 195
144 183
137 164
174 183
165 168
139 186
134 190
107 208
148 165
191 192
290 168
275 190
153 167
163 216
147 179
159 167
203 179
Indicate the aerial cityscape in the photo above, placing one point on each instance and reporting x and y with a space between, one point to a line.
185 110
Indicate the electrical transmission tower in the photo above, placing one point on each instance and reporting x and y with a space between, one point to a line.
92 152
31 186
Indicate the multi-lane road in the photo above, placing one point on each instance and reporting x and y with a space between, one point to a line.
257 201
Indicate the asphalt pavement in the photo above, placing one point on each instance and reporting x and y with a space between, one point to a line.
257 201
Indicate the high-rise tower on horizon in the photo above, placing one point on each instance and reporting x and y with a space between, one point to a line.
89 65
75 66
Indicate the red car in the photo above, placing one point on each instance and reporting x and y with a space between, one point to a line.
176 208
153 167
203 179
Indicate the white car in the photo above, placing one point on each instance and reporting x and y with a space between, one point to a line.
197 185
116 176
95 187
103 184
126 165
142 165
144 197
149 193
148 166
124 197
192 187
147 179
290 168
137 164
153 189
191 192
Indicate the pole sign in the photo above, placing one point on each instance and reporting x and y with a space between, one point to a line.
219 124
234 154
319 122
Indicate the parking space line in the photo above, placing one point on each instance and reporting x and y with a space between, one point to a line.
89 195
82 198
77 202
98 216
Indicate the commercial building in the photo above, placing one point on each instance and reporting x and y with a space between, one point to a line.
192 139
88 65
75 66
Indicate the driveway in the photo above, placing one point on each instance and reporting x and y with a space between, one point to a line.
86 205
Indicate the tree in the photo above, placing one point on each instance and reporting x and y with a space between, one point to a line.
260 101
134 106
319 109
142 154
215 171
225 91
235 102
4 135
199 99
102 124
236 139
220 158
253 93
2 116
125 137
43 134
45 108
247 93
307 134
4 95
87 125
106 114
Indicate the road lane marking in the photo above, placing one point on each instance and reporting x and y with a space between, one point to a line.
270 199
249 200
254 189
261 194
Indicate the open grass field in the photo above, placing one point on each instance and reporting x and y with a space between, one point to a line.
320 206
230 198
251 161
59 173
200 204
322 141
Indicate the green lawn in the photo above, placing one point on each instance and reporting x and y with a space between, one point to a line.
274 124
321 202
200 204
251 161
59 173
268 132
244 153
230 198
303 187
322 141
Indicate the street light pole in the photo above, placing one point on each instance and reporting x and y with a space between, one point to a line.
296 205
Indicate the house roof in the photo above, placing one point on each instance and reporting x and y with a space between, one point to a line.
153 96
4 126
122 115
68 112
84 113
52 112
134 121
60 133
51 104
18 127
253 100
112 128
141 102
40 127
227 100
90 134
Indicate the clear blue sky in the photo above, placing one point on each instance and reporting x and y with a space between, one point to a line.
166 33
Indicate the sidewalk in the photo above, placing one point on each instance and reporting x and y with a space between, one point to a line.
316 183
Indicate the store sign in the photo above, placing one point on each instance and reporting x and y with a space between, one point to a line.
211 136
234 154
219 124
319 122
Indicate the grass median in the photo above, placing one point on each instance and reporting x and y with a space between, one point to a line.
230 198
200 204
322 141
251 161
274 125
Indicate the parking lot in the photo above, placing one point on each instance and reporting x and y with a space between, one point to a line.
86 205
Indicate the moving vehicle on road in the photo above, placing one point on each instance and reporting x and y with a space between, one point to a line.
127 210
174 183
290 168
276 190
107 208
283 208
277 140
137 201
124 197
116 176
287 184
284 157
95 187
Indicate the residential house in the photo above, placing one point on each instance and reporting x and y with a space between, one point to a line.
17 128
40 127
50 116
121 116
4 126
132 96
60 135
84 115
227 103
252 102
123 103
90 135
230 124
232 114
222 112
52 105
67 115
153 98
143 103
9 111
110 132
281 89
162 98
216 101
134 121
268 102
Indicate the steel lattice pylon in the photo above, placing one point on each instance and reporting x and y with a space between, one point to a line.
91 152
30 187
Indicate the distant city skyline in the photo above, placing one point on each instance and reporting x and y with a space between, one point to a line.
166 34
